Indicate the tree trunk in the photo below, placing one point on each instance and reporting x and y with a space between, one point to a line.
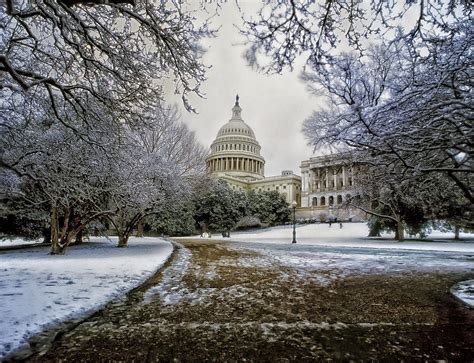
140 227
56 248
456 232
79 236
400 232
123 240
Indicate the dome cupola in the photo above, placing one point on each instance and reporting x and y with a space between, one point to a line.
236 151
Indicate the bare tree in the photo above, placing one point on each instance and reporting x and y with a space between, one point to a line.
50 167
394 108
317 30
60 55
158 163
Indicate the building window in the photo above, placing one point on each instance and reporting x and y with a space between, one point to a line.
339 199
284 186
331 200
323 201
315 202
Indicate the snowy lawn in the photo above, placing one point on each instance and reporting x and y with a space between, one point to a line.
465 292
38 289
15 241
347 251
324 255
352 235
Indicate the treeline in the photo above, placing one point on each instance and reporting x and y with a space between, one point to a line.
61 180
212 207
103 175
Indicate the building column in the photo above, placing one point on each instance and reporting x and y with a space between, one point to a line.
326 178
343 176
319 180
334 176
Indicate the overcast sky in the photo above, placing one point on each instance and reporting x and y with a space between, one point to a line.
273 106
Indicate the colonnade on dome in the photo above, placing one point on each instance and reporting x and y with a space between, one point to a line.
237 164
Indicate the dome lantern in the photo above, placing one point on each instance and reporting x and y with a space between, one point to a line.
236 110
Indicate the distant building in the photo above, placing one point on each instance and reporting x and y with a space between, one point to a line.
327 182
235 157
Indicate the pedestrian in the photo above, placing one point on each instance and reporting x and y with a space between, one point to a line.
340 224
330 222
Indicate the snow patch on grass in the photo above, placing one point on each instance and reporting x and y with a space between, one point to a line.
168 290
16 241
336 262
37 289
464 291
351 235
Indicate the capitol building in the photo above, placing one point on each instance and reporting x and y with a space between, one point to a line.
235 157
327 181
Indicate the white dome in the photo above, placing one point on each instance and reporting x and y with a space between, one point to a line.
236 127
236 151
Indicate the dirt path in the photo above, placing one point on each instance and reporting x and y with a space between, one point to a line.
216 303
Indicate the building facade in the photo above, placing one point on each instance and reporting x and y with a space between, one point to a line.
235 157
328 181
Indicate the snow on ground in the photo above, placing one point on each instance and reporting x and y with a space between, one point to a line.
465 292
336 262
37 289
336 252
351 235
167 288
321 256
15 241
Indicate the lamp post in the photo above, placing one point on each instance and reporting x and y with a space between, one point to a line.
294 221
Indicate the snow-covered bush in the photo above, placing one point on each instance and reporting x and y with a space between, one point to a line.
249 222
323 217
